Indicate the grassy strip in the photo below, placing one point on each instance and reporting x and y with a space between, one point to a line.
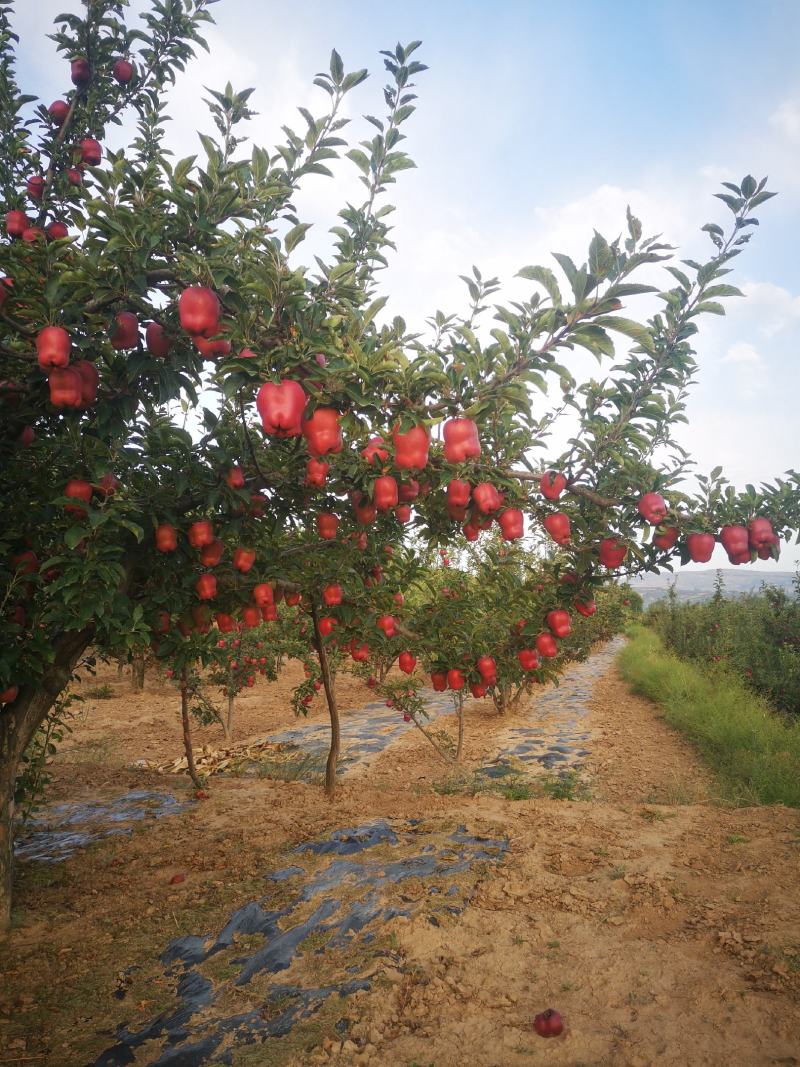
754 751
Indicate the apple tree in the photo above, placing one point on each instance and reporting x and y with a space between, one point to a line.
194 423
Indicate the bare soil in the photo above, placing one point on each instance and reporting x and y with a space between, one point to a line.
662 924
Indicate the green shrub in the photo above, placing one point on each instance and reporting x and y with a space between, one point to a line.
756 636
754 750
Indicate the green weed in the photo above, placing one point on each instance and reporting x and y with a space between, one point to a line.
754 752
99 692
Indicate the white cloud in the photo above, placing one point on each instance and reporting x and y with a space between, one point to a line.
773 308
786 119
741 352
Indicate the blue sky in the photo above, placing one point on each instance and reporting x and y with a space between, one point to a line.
537 122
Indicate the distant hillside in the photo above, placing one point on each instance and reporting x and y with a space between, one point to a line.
699 585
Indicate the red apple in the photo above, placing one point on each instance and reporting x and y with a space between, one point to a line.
461 440
546 646
199 310
56 230
235 478
243 559
512 523
406 661
263 594
58 112
557 525
735 540
124 333
166 537
332 594
653 508
548 1023
559 622
91 151
665 537
211 349
122 71
35 187
281 408
53 346
210 555
612 552
156 340
455 679
67 388
80 72
374 452
487 498
528 659
17 222
89 381
77 489
760 533
201 533
552 484
206 587
700 546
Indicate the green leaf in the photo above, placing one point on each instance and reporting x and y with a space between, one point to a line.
681 277
735 203
596 340
631 329
749 186
722 290
545 277
360 159
296 235
74 535
759 198
374 308
336 67
601 258
568 267
136 530
630 289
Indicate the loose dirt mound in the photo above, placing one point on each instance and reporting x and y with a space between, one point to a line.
664 926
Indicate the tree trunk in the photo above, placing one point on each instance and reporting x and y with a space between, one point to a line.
227 724
187 733
18 723
120 667
460 713
333 710
499 699
137 671
432 741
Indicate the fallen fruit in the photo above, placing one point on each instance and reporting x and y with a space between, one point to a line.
548 1023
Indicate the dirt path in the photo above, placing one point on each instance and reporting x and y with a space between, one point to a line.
410 923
